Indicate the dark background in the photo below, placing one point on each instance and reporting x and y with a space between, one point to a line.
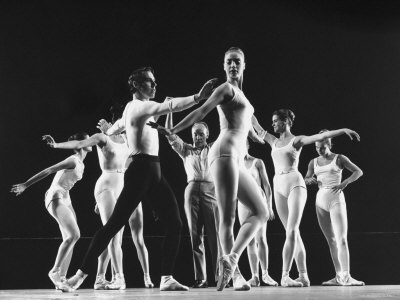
334 63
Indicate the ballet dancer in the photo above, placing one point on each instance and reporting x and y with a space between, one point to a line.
257 249
226 162
113 153
290 191
200 203
58 204
331 206
143 179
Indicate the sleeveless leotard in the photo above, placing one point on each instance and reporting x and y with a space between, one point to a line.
286 160
235 121
328 176
63 181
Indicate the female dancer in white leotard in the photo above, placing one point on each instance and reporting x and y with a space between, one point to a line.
113 153
331 206
58 204
290 191
257 249
226 159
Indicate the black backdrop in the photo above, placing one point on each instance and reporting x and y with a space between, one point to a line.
62 63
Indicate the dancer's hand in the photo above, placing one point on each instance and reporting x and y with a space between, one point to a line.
49 140
351 133
310 180
103 125
206 90
159 128
340 187
96 210
18 189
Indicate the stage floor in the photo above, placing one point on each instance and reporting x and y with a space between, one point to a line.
372 292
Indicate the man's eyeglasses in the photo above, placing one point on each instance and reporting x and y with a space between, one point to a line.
153 84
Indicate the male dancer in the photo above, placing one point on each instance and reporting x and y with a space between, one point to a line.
143 179
200 203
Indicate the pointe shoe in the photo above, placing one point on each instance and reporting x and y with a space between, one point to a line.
254 281
147 282
347 280
240 284
268 280
55 278
304 281
172 285
286 281
100 283
118 284
73 283
333 282
225 272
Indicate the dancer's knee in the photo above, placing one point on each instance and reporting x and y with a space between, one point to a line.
342 242
292 234
72 237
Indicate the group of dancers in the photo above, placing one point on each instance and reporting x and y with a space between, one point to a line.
222 177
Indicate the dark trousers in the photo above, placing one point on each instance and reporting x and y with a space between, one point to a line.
143 182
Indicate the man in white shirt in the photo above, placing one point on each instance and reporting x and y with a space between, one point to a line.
200 203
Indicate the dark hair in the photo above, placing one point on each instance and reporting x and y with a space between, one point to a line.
327 140
234 49
116 111
285 114
138 75
201 123
78 136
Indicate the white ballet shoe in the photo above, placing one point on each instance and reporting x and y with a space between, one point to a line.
254 281
268 280
172 285
333 282
240 284
225 272
73 283
347 280
118 283
55 278
286 281
100 283
304 280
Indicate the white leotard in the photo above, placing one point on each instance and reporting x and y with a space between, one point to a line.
112 159
235 121
287 177
63 181
328 176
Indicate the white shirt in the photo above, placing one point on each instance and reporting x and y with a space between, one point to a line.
195 160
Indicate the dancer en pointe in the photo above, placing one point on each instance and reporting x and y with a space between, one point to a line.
112 153
331 206
58 204
257 250
290 191
143 179
226 162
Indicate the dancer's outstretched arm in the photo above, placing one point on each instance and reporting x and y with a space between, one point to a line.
68 163
261 132
96 139
302 140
